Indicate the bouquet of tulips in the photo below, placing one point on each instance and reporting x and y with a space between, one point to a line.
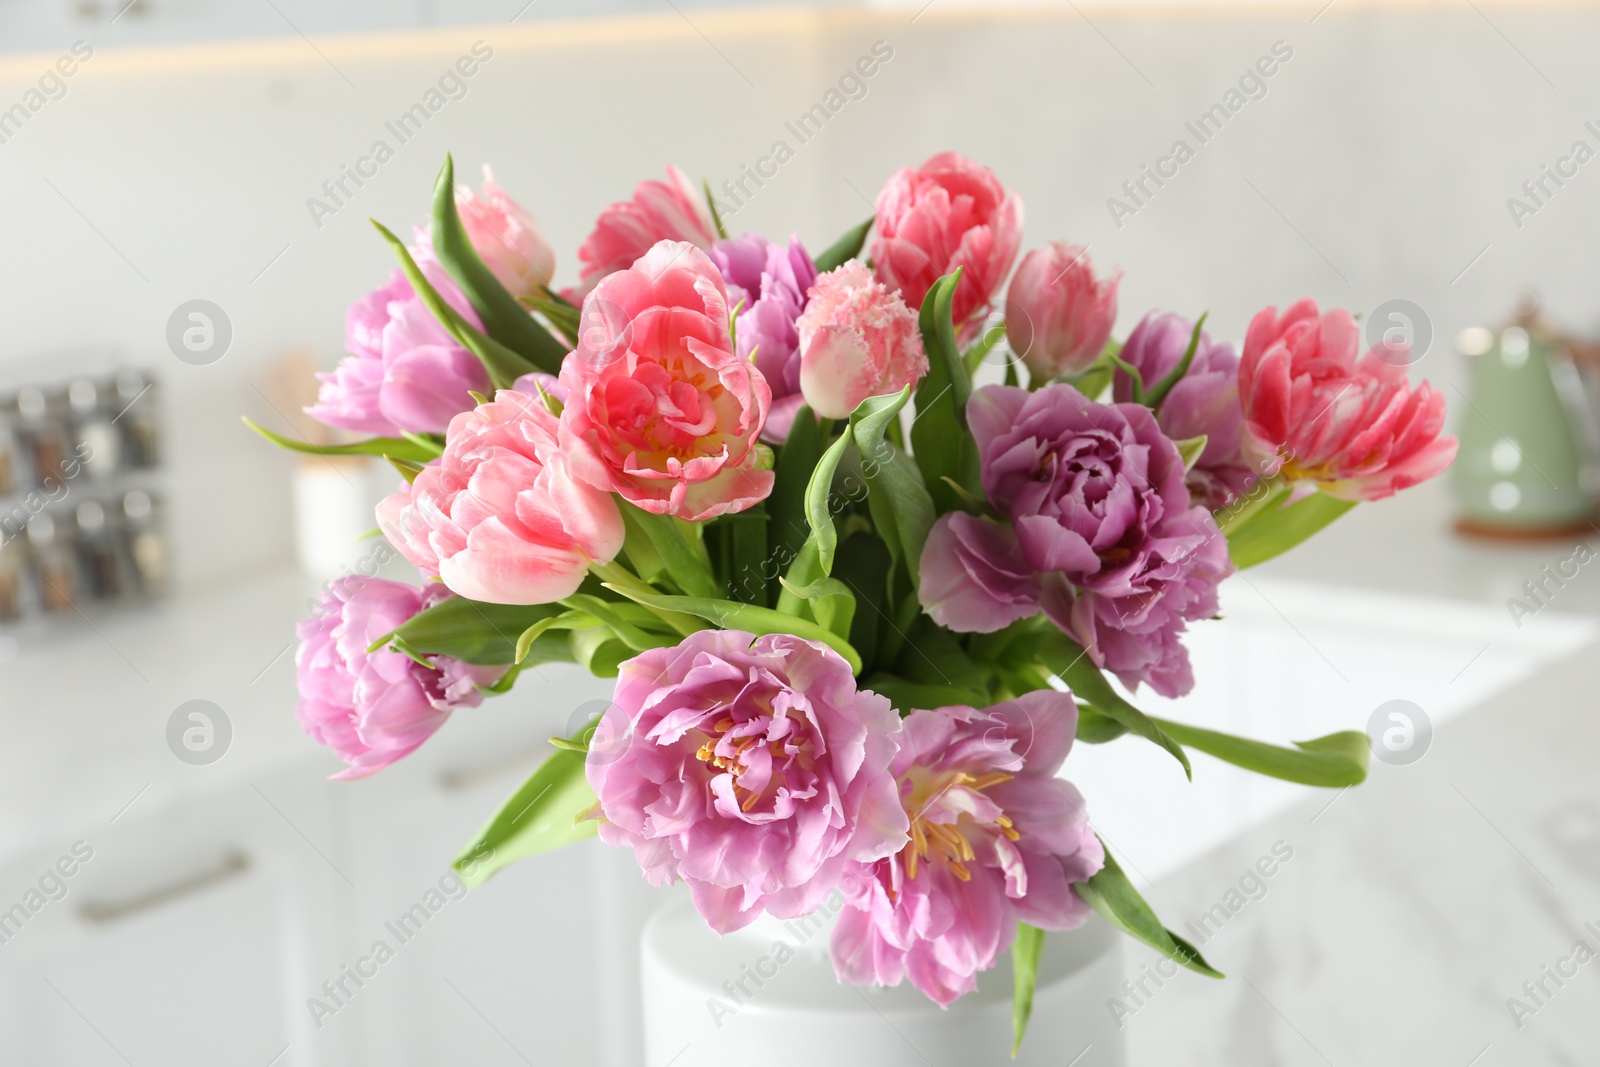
858 607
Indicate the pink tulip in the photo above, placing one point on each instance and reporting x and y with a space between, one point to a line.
996 839
948 213
1058 314
499 517
1316 413
506 237
857 339
404 371
751 768
373 708
660 408
659 211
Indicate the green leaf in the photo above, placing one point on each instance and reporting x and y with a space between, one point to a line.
787 528
639 548
598 650
1026 951
974 356
1092 383
933 656
407 469
733 616
862 561
803 571
1159 391
818 514
470 630
1068 660
505 683
908 696
939 437
831 601
844 249
1332 762
543 815
1095 727
567 620
502 316
1272 532
1264 495
561 313
684 561
901 507
1135 376
1190 448
747 537
1111 894
905 618
616 617
396 447
430 443
505 365
939 338
716 216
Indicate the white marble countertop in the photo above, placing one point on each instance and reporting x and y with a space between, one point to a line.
1413 907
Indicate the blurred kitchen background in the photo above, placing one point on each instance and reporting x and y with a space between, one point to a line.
1397 161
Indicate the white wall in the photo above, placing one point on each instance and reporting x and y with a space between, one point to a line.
1377 166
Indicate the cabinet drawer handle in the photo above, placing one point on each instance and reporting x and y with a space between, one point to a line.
109 911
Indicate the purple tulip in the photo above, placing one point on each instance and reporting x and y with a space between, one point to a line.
404 371
773 282
1102 523
372 708
1205 401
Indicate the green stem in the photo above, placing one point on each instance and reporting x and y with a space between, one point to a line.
621 577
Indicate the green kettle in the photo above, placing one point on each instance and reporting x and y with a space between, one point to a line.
1527 465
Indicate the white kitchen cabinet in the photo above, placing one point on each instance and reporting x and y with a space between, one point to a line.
510 972
185 939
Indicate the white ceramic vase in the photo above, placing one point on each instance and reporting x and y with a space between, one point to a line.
767 995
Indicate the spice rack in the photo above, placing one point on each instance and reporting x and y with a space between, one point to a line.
81 517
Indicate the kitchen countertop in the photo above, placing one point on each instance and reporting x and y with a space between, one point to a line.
1411 910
